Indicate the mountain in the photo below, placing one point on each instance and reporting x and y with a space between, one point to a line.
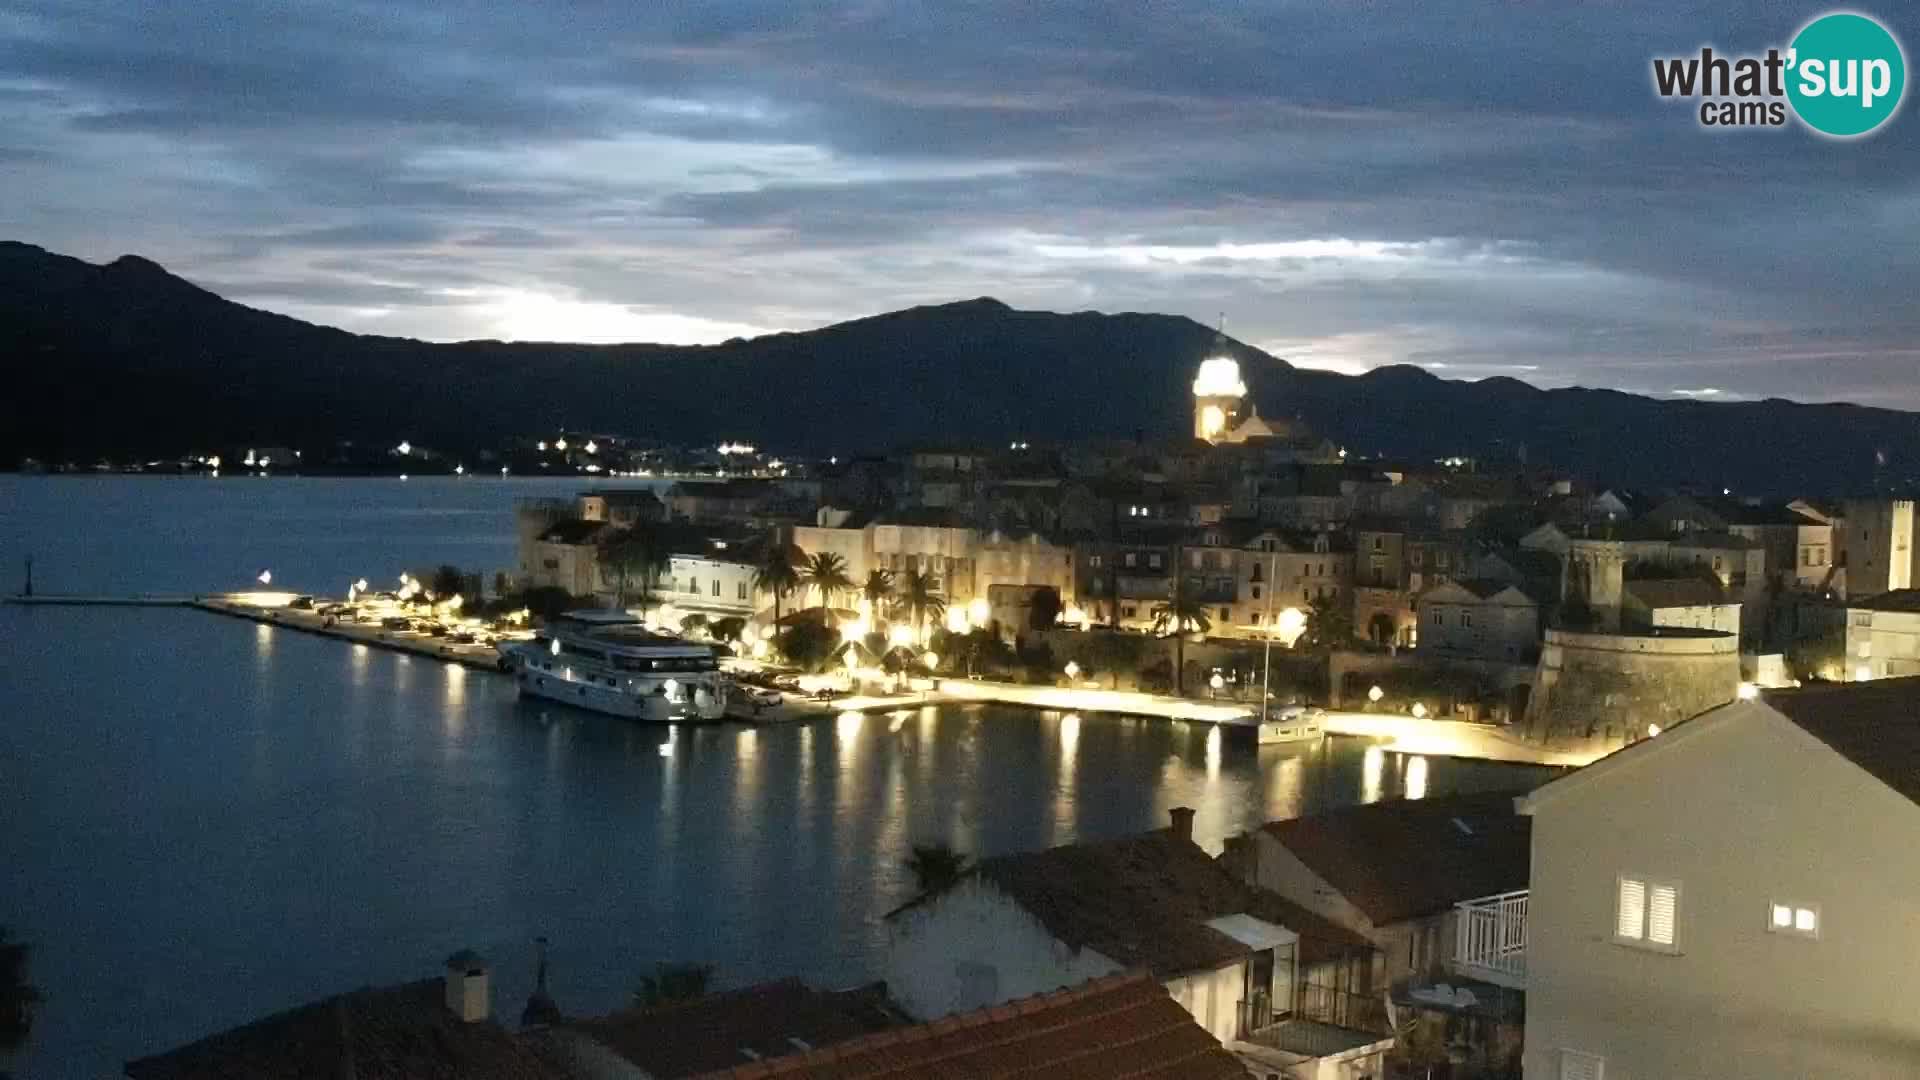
128 359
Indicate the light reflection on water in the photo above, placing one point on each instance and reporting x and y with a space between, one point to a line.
289 816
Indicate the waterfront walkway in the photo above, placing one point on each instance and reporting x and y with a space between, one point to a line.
1406 734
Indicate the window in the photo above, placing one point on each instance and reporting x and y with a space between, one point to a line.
1225 616
1131 558
1466 618
1647 914
1256 575
743 591
1093 561
1579 1065
716 586
1378 543
1256 592
1127 611
693 584
1153 560
1794 920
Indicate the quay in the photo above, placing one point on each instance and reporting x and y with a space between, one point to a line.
1404 734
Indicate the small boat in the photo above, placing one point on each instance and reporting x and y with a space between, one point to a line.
1295 723
609 662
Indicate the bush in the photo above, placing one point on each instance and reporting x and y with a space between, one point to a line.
808 644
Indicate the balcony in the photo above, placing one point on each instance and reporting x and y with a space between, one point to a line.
1490 939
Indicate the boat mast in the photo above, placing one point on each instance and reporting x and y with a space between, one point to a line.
1266 673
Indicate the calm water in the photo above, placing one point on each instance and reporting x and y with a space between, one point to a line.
208 819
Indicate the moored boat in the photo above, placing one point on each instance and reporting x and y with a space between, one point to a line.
609 662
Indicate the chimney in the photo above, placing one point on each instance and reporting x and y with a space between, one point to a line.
1182 823
468 995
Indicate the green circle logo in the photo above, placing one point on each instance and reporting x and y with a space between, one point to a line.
1846 75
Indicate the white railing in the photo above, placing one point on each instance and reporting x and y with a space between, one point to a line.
1490 938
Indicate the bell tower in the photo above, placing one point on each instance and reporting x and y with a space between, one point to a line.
1217 394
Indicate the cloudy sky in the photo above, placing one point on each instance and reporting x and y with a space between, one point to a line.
1479 188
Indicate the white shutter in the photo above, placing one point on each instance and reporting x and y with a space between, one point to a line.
1575 1065
1631 921
1663 911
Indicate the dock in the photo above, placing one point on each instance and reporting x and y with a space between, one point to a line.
59 600
479 657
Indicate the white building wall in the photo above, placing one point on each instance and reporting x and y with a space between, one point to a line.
1881 644
853 545
1213 997
1739 815
710 586
1722 617
973 947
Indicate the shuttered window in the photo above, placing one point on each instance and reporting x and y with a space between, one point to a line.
1647 913
1576 1065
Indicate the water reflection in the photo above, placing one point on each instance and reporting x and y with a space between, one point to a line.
1416 786
1285 794
1370 769
454 712
1213 754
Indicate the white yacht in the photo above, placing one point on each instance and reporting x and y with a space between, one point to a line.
608 661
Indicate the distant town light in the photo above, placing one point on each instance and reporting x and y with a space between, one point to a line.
403 476
503 470
404 448
541 445
591 447
560 444
459 470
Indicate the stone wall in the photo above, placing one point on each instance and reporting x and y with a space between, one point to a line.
1601 691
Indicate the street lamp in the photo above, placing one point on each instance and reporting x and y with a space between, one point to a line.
1419 711
1073 670
1216 683
1374 695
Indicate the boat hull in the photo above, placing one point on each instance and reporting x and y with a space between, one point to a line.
699 701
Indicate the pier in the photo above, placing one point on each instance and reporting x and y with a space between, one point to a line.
1404 734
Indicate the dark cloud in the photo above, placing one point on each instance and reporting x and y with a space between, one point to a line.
1482 187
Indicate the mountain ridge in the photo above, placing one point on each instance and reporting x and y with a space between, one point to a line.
126 357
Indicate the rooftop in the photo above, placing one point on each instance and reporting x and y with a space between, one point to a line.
383 1033
1897 600
1871 724
1411 857
1123 1027
738 1027
573 531
1678 592
1145 900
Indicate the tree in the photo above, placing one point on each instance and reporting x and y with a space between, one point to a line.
921 600
693 625
673 982
18 997
1180 616
1329 623
935 866
777 574
808 643
639 554
1111 651
827 572
728 629
879 592
1045 610
447 581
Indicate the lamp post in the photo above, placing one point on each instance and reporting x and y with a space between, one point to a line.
1215 683
1073 672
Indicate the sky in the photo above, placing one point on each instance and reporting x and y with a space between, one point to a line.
1478 188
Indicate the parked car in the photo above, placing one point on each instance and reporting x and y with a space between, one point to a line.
762 696
396 622
301 603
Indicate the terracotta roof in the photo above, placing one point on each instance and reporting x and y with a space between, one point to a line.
1875 725
1123 1027
1406 858
1678 592
386 1033
1143 901
573 531
1897 600
720 1030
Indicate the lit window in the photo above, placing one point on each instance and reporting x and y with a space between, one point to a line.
1797 920
1647 914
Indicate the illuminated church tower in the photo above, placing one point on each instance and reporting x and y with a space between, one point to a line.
1217 394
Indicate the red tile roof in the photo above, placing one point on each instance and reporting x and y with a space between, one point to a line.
718 1030
1407 858
1123 1027
383 1033
1144 901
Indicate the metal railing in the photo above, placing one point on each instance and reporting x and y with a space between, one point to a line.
1327 1005
1490 938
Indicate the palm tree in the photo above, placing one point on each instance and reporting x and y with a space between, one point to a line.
935 866
1330 623
18 997
921 600
827 572
1180 616
879 592
640 554
777 573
